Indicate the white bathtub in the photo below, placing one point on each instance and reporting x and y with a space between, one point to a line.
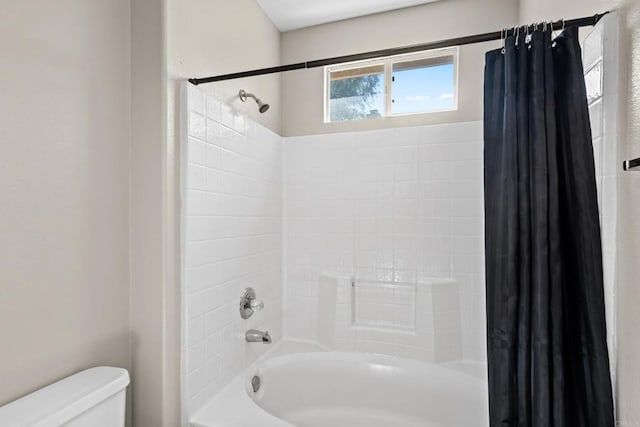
321 389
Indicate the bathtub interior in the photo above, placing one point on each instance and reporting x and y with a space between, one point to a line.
304 384
350 389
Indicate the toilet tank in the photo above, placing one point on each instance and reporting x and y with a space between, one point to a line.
91 398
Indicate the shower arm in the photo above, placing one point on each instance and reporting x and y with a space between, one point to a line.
460 41
244 95
262 107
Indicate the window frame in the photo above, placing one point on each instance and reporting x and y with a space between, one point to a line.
388 63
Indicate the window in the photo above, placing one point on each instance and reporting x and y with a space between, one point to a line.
357 93
399 85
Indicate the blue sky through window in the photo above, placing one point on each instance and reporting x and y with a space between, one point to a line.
423 89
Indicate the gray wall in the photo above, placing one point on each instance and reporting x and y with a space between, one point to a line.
85 217
155 297
211 37
64 190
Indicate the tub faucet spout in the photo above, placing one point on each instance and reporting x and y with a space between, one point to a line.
253 335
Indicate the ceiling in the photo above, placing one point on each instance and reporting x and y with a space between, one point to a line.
293 14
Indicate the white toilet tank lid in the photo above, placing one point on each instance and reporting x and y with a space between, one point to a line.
60 402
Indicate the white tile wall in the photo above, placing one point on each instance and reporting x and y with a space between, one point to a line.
386 206
232 226
599 54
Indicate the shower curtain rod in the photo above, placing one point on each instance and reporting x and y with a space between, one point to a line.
460 41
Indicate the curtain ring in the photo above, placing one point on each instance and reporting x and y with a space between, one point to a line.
509 30
564 24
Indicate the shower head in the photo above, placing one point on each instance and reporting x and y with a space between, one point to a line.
262 107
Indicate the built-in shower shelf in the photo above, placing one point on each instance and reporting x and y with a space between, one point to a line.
382 304
631 165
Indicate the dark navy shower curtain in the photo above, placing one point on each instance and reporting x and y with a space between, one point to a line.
546 335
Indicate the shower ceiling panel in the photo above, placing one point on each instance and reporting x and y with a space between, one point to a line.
294 14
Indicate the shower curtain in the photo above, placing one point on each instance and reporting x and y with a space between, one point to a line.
546 336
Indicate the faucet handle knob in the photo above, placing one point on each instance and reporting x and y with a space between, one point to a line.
249 303
256 304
